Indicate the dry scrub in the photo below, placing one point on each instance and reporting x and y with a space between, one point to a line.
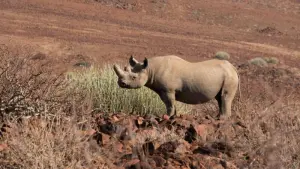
61 129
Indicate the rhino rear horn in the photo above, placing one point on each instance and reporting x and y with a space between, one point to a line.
132 61
118 71
145 63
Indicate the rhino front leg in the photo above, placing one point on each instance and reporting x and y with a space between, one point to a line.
169 100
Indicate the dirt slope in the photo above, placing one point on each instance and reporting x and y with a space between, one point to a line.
101 31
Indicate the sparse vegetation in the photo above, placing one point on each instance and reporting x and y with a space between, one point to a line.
263 61
82 132
222 55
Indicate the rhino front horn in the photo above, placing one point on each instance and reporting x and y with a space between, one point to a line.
118 71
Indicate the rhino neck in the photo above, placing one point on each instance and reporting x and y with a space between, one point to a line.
151 78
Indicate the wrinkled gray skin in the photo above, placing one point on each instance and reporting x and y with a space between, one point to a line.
175 79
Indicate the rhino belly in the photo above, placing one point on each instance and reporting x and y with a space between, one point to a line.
193 98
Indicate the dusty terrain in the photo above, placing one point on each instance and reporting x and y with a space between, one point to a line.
263 130
102 31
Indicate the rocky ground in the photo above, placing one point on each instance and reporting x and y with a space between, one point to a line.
149 142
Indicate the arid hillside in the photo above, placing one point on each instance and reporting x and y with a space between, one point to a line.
60 106
101 31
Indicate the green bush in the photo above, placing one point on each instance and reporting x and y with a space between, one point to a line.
101 85
222 55
271 60
258 62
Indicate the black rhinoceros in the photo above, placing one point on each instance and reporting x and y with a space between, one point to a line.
175 79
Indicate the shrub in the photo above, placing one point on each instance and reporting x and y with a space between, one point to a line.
222 55
258 62
27 86
101 86
271 60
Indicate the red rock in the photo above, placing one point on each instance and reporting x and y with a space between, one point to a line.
169 167
131 162
115 118
144 165
218 166
104 138
3 147
168 147
201 131
119 147
182 149
90 132
166 117
182 122
159 161
140 120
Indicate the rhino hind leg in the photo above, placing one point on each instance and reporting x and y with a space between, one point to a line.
227 95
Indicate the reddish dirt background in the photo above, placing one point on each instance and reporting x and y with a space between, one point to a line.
101 31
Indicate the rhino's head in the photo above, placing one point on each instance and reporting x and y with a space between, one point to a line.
133 76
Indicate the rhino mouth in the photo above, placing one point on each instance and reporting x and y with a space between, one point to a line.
126 86
123 85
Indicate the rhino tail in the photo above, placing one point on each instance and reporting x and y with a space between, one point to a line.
239 83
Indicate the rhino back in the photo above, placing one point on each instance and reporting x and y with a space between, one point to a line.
193 82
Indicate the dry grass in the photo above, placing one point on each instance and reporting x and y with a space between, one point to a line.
52 143
271 114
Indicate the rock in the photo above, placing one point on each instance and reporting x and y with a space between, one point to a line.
203 130
131 163
115 118
182 122
140 122
191 134
181 149
168 147
107 128
159 161
166 117
102 139
149 148
184 147
3 147
119 147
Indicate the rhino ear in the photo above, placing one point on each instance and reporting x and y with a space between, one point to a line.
145 64
118 71
132 61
